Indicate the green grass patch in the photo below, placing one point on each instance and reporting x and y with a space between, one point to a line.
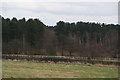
25 69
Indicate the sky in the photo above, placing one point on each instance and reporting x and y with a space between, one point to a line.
52 12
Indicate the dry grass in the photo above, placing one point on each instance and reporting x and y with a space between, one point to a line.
24 69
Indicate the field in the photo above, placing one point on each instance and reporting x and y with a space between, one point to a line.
29 69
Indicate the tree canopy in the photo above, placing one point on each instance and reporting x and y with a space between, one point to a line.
67 39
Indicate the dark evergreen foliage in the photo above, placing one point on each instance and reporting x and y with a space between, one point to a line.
66 39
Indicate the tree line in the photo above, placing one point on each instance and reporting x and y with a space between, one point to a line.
32 36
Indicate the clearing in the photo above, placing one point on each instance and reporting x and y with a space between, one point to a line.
30 69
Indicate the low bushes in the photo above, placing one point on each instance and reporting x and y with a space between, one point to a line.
59 59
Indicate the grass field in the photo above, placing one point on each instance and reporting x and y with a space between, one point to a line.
24 69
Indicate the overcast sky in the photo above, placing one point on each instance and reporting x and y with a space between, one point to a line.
52 12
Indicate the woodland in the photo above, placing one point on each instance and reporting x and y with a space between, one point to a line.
80 39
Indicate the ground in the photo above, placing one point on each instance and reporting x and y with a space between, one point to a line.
25 69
